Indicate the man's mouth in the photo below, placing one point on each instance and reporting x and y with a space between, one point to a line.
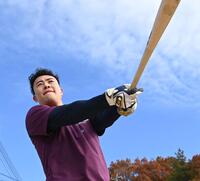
47 92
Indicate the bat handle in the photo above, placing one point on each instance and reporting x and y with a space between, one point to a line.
134 83
148 51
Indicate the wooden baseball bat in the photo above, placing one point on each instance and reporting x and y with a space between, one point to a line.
164 15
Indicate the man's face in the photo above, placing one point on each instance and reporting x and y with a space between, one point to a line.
47 91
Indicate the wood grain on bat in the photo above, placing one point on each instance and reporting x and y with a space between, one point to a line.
163 17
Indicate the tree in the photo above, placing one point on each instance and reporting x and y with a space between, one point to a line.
121 170
140 170
161 169
195 168
180 168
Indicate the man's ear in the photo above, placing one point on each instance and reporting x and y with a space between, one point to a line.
35 98
62 91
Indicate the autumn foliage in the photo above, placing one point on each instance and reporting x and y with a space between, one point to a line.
176 168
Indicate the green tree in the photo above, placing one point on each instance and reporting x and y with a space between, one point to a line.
180 168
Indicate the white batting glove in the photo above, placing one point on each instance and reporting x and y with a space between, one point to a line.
121 96
111 94
128 111
129 103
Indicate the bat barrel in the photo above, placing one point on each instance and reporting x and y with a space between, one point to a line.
163 17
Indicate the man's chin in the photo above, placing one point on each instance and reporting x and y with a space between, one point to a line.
50 102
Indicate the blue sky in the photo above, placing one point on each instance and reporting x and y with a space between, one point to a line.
94 45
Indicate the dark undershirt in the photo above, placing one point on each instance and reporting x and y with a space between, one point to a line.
97 110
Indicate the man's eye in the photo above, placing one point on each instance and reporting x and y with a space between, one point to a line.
39 84
51 81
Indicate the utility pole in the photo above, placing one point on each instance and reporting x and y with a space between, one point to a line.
7 170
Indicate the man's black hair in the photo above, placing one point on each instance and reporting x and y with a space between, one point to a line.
39 72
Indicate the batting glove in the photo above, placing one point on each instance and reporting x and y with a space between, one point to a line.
128 111
111 94
130 101
121 96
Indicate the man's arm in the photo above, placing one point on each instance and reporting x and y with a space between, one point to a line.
104 119
75 112
98 109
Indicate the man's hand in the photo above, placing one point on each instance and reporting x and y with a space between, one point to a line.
130 101
128 111
111 95
122 97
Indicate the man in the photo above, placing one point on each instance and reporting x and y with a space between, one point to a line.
66 135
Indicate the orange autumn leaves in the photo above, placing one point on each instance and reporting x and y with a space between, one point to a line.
161 169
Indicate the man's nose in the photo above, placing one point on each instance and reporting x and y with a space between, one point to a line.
46 85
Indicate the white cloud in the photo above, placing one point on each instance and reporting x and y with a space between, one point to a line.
114 34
